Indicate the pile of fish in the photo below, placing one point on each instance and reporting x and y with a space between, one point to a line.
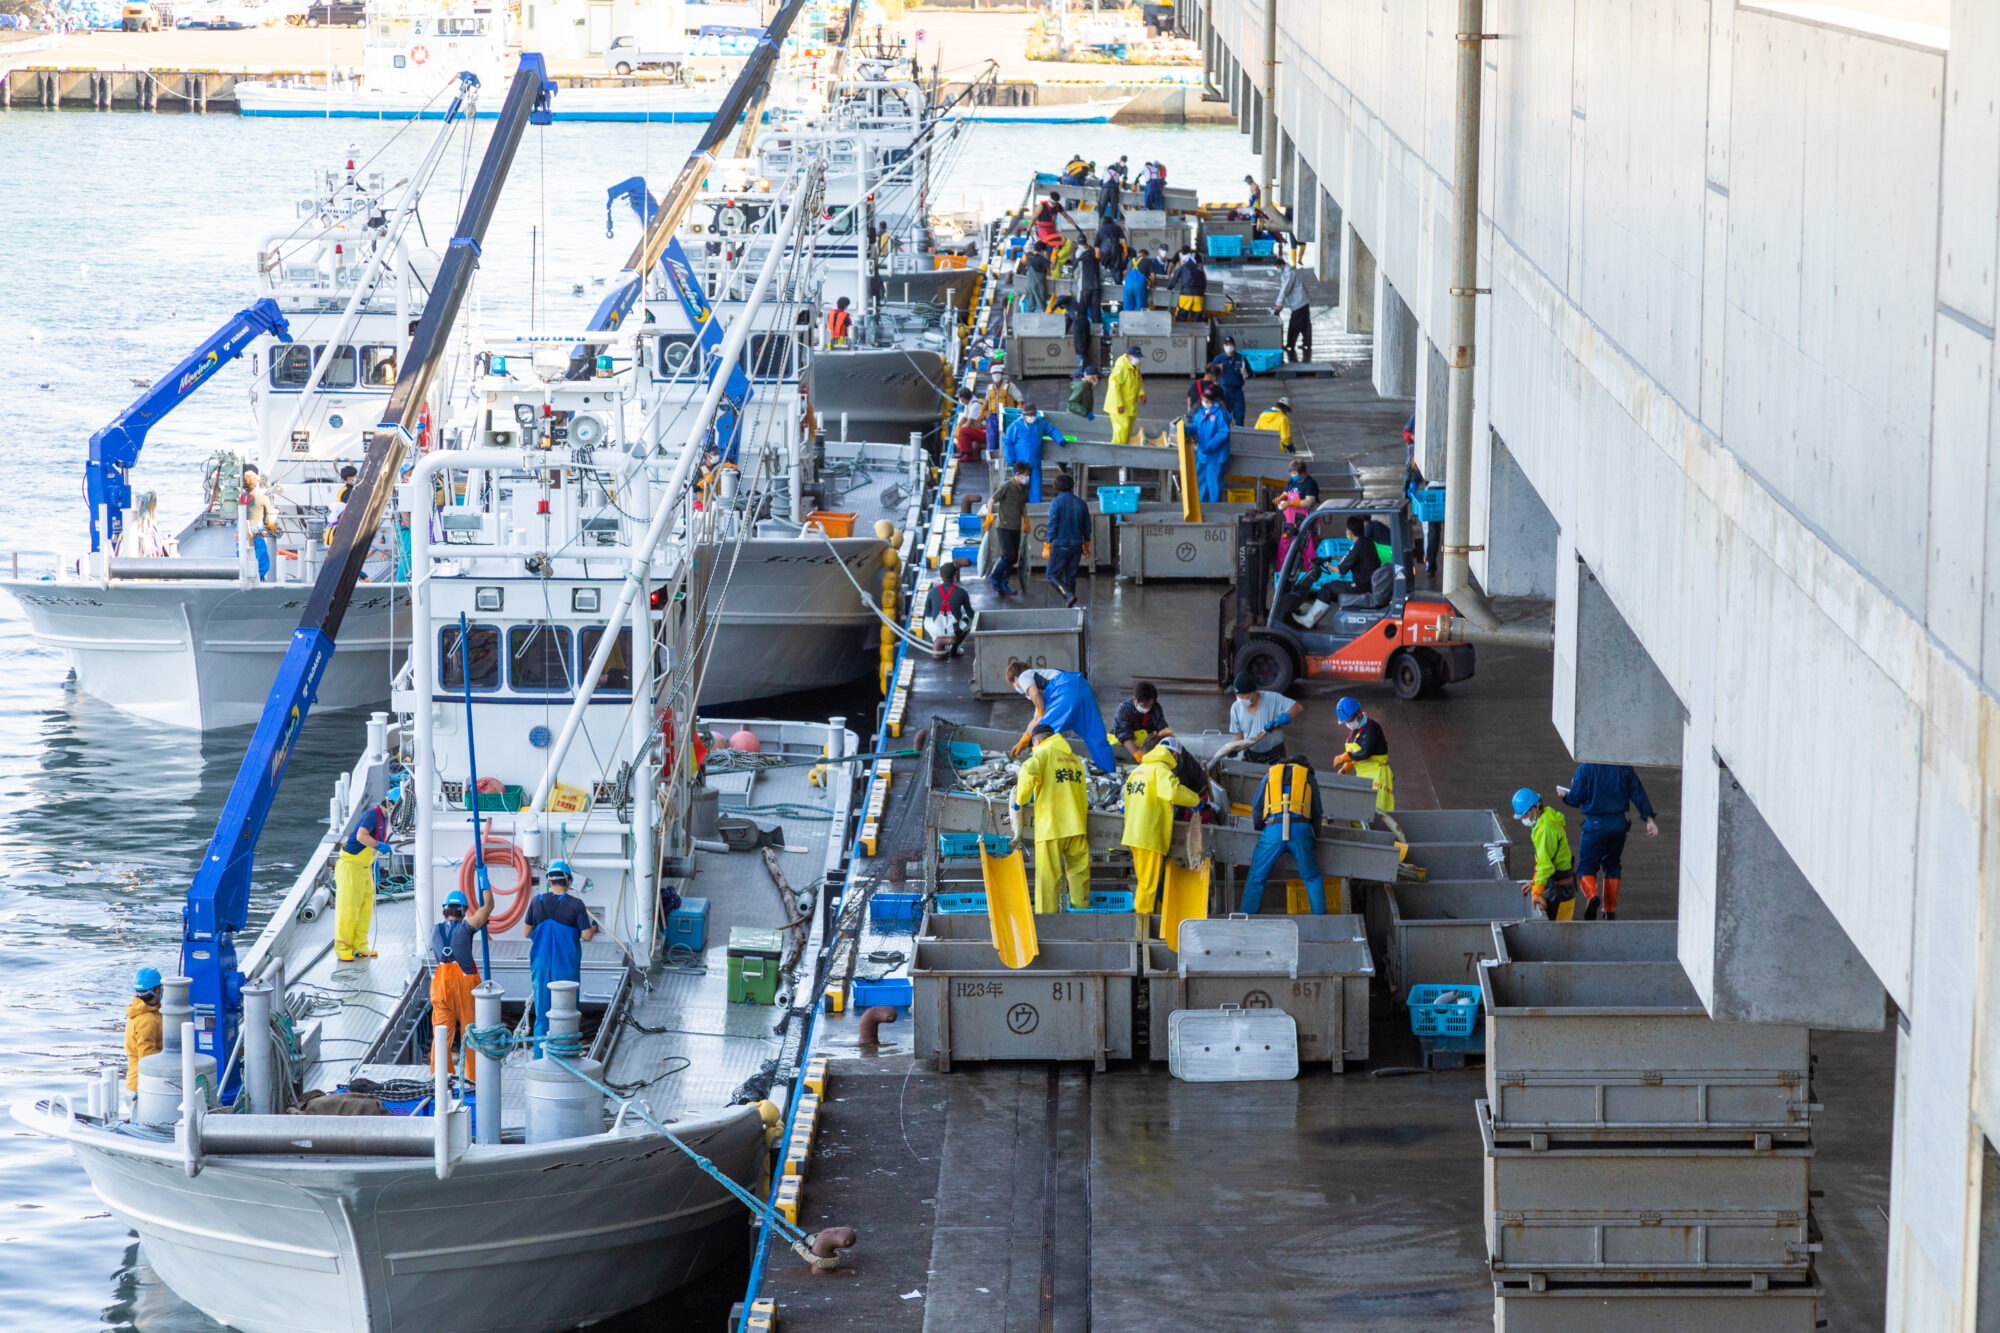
995 778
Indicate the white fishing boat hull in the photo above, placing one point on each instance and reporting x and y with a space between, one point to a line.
659 105
1097 111
790 620
204 655
369 1245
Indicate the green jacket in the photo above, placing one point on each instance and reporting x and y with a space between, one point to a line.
1082 396
1550 836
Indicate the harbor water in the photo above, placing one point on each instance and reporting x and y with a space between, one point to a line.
127 240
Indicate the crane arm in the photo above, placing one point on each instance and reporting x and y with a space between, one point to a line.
107 475
218 900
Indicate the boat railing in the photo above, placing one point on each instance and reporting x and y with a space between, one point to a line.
54 566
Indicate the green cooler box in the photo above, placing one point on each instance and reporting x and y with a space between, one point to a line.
754 952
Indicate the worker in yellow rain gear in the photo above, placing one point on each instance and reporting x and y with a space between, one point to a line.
1278 417
454 972
1127 392
354 885
142 1024
1151 793
1554 886
1052 780
1367 752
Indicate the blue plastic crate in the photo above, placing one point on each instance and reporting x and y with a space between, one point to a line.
687 925
966 754
1263 247
1264 360
1225 247
961 904
967 844
1105 900
968 525
1427 503
894 909
1428 1018
1118 499
895 991
965 553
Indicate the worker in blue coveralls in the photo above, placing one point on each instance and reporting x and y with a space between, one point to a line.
558 924
1210 425
1603 792
1023 444
1232 371
1064 701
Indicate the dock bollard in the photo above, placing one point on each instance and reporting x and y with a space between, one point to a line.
486 998
561 1106
160 1074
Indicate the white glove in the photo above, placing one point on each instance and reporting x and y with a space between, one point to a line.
1541 912
1496 853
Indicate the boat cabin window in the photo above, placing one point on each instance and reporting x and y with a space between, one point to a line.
770 356
378 367
339 375
460 27
291 365
538 658
617 667
485 658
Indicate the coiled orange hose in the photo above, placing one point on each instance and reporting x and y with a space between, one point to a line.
499 849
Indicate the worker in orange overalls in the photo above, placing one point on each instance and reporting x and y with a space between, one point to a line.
454 972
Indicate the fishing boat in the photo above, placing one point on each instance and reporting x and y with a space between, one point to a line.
412 52
186 624
600 1157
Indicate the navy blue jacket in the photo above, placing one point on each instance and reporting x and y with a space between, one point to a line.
1069 520
1603 791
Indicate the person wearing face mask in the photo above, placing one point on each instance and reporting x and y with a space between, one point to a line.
1367 752
1553 887
1023 444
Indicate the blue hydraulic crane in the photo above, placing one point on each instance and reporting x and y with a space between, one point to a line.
219 899
107 476
612 310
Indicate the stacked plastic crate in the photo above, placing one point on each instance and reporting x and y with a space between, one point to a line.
1645 1166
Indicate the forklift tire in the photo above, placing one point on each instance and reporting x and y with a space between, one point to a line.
1266 663
1408 676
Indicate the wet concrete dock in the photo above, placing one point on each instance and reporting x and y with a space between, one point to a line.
1035 1197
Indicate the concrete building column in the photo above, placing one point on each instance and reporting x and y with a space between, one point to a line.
1327 254
1612 705
1357 287
1778 954
1521 533
1432 386
1396 339
1257 121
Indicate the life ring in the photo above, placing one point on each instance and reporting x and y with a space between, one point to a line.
419 54
499 848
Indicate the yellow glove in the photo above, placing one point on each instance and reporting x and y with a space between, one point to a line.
1045 550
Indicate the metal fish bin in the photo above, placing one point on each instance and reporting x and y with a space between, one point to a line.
1073 1002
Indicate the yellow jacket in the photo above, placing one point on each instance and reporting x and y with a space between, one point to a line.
1272 419
1053 779
1151 793
1122 399
142 1038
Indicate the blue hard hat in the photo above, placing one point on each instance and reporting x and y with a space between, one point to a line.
456 899
559 870
1347 710
1525 800
147 978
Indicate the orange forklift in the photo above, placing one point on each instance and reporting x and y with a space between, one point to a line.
1292 618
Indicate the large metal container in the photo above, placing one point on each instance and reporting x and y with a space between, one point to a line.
1160 547
1151 228
1165 347
1039 344
1073 1002
1533 941
1101 555
1119 926
1249 330
1586 1051
1739 1308
1328 998
1646 1211
1342 796
1428 826
1457 860
1043 637
1439 932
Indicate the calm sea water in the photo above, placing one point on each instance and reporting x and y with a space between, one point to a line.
124 240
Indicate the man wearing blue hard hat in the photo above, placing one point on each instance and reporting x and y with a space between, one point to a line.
454 972
1554 886
142 1024
558 924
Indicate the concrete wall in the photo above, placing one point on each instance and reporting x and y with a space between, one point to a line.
1739 343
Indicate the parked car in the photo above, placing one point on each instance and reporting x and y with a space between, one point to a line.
141 17
625 55
336 14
